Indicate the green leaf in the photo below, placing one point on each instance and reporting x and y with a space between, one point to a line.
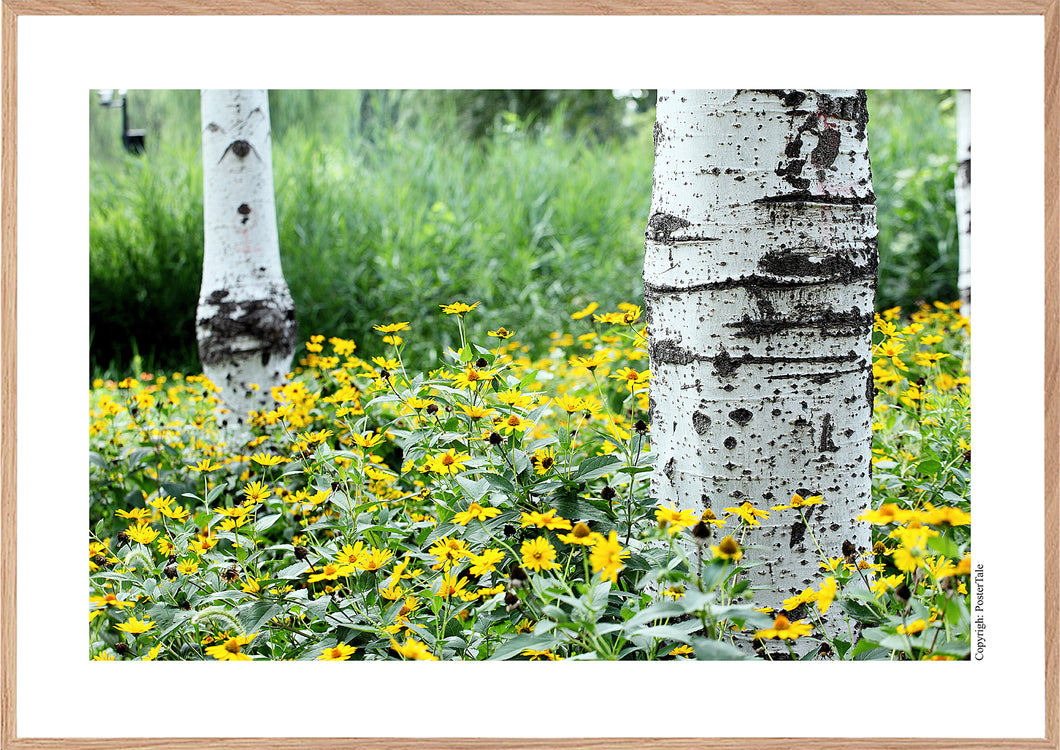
576 509
252 616
945 547
680 632
929 468
266 522
318 607
521 642
215 492
595 467
292 571
862 611
475 489
709 650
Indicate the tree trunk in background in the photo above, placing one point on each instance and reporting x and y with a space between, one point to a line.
246 323
759 279
963 198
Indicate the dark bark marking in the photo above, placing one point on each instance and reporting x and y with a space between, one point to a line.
272 329
826 435
796 264
826 150
854 108
804 196
700 422
670 469
730 442
740 416
790 98
829 323
661 226
791 171
670 352
798 530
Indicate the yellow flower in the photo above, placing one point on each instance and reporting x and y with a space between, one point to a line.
607 557
475 412
674 520
152 654
475 511
136 514
913 627
256 491
266 459
798 501
449 462
585 311
727 549
570 404
580 535
205 465
544 520
392 327
458 308
231 649
828 591
135 626
413 649
784 628
367 441
591 362
341 652
142 533
451 585
486 562
748 513
110 600
448 551
512 424
501 333
632 378
331 572
538 554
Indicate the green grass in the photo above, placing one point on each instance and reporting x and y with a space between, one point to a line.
388 209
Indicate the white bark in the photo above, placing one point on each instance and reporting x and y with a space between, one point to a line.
759 276
963 199
246 324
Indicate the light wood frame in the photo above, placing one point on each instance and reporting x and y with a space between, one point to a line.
13 9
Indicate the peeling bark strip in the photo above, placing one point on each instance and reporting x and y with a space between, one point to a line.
759 337
246 325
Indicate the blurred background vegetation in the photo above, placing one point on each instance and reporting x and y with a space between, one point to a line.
391 203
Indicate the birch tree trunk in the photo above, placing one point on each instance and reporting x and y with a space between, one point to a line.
963 199
246 323
759 282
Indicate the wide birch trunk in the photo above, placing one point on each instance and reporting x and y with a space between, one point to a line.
759 279
246 323
963 199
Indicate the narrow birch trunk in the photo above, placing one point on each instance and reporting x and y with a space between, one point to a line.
246 324
759 282
963 199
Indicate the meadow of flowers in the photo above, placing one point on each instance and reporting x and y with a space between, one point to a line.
499 508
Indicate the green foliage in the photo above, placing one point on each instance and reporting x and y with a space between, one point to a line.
387 203
499 509
382 220
913 146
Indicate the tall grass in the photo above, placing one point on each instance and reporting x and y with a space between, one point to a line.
388 209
